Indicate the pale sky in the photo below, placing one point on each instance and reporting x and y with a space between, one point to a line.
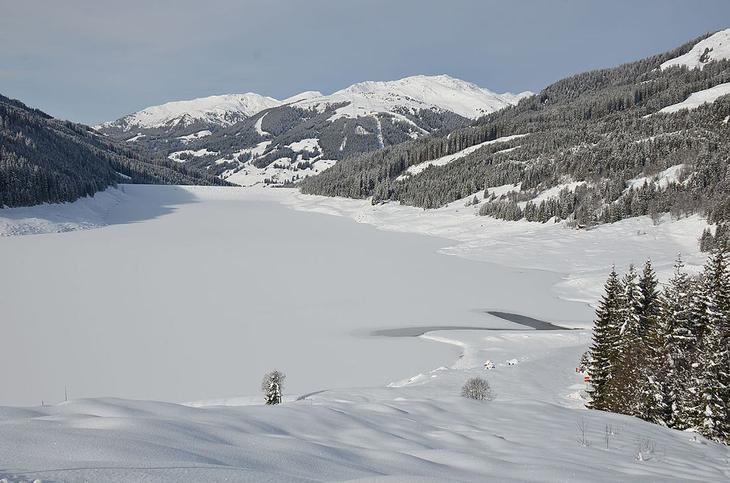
96 60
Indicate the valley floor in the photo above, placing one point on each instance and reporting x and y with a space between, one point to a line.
414 429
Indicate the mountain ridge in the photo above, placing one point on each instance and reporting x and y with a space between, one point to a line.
307 133
226 109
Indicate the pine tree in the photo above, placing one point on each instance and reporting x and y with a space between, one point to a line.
625 386
674 352
652 377
272 385
631 308
648 305
715 383
605 343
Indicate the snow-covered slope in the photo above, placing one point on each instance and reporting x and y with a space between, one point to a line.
414 93
714 47
417 168
223 110
418 430
696 99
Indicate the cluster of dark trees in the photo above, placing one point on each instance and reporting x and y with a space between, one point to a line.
43 159
664 356
601 128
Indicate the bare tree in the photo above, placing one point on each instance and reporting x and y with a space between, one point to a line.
582 429
477 388
273 385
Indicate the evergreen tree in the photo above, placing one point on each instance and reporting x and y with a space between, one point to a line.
674 352
625 386
652 376
605 343
648 304
715 383
272 385
690 409
631 309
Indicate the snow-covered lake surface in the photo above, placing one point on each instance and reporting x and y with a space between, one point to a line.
190 294
193 293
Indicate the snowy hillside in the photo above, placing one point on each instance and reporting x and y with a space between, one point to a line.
714 47
440 92
222 110
696 99
418 430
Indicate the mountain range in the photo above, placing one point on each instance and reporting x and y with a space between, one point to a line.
250 139
647 137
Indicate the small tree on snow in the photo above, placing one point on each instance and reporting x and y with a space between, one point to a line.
585 361
477 388
272 385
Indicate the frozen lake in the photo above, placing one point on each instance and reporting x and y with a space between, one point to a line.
194 293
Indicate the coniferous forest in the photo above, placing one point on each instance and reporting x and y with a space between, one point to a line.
663 354
46 160
599 129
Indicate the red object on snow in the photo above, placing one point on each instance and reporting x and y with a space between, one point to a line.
586 378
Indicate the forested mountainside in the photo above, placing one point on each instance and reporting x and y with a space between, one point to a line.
43 159
306 134
594 147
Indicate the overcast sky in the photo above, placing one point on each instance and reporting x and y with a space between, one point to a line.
96 60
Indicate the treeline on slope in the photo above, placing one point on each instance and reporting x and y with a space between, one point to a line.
594 127
664 356
43 159
283 125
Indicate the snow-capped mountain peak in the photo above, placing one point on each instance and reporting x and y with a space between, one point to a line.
714 47
224 110
302 96
416 92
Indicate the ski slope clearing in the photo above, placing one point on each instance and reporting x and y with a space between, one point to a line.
554 192
444 160
696 99
661 180
714 47
416 430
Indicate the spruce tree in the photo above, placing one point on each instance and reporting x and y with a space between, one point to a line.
690 409
673 356
715 382
605 343
626 386
631 308
648 305
652 376
272 385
